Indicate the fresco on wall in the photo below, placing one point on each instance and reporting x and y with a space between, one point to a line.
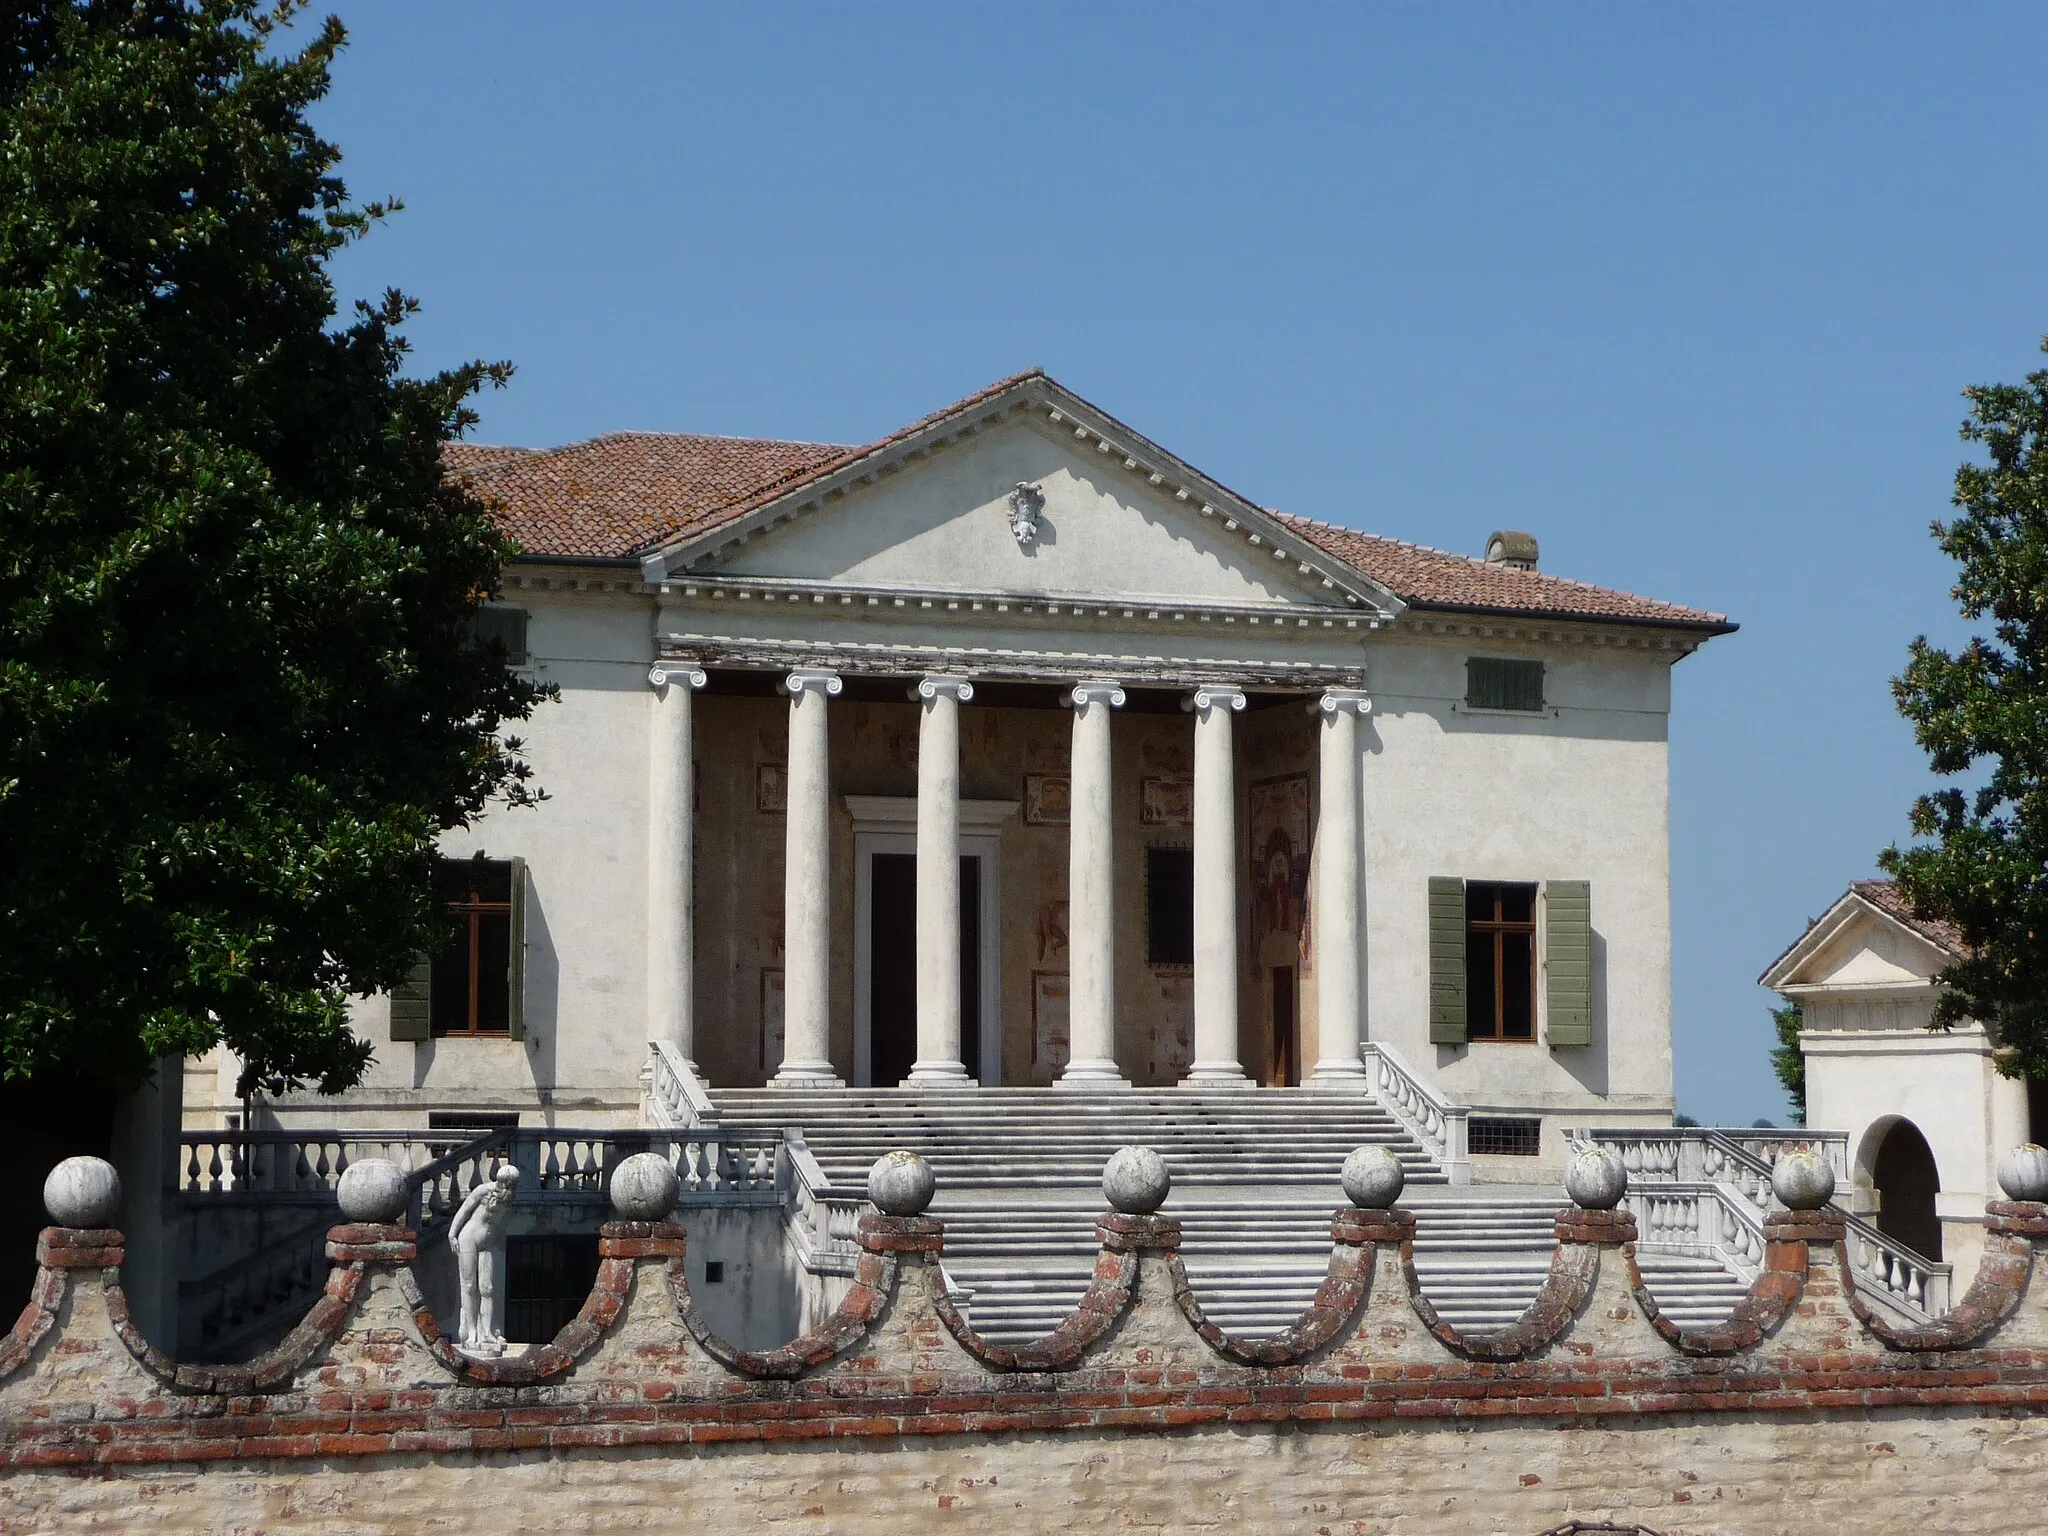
1048 1024
771 1019
1052 933
771 788
1045 800
1174 1046
1166 802
1279 855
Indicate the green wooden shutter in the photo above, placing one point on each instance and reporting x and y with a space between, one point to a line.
1568 961
505 625
1447 1020
412 1003
515 965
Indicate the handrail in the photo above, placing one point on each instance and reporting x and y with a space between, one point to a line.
676 1095
1739 1164
822 1219
1431 1118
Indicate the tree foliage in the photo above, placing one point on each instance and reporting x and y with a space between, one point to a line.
1982 711
1787 1060
240 692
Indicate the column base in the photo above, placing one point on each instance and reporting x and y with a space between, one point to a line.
1224 1076
939 1074
1340 1075
806 1074
1092 1077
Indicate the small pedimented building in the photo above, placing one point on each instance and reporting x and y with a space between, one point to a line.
1014 750
1926 1113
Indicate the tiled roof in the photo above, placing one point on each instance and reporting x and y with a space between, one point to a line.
1884 895
613 496
1433 578
621 495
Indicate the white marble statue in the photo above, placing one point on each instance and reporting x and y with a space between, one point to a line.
478 1237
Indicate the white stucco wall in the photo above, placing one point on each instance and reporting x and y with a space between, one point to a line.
1581 792
585 997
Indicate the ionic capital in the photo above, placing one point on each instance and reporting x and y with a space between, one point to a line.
687 673
1216 696
1337 701
1096 691
807 679
938 685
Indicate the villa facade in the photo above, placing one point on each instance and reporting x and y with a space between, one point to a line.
1014 750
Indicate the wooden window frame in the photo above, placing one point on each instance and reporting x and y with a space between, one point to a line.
1495 930
472 910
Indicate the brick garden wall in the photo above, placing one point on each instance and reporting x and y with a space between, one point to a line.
1804 1413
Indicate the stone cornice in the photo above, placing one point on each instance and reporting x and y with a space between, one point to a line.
1021 606
994 663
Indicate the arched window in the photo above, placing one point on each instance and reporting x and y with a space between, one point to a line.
1904 1175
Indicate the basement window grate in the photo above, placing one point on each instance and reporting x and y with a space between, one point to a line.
1504 1136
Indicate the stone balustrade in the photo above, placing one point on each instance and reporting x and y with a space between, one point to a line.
369 1371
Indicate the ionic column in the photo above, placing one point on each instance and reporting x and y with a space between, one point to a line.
938 1063
1216 1063
1091 895
671 855
806 889
1340 859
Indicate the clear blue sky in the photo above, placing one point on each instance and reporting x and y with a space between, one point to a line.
1689 293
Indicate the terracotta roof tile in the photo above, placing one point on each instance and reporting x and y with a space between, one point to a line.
613 496
1884 895
621 495
1433 578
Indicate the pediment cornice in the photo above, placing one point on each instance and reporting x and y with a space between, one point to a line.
1264 539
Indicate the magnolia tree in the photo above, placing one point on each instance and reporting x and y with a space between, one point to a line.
1982 713
241 687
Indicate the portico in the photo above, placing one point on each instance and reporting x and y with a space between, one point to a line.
1121 812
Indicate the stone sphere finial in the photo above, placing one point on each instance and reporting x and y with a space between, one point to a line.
1596 1179
644 1187
901 1184
1802 1181
373 1190
82 1192
2023 1173
1373 1178
1135 1181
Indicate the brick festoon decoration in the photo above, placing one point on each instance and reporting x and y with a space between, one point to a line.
369 1372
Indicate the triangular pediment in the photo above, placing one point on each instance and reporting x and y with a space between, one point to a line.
1858 947
1031 501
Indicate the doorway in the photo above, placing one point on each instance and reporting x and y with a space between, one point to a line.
892 965
885 938
1284 1063
1906 1181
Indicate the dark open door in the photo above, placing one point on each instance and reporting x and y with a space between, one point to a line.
892 967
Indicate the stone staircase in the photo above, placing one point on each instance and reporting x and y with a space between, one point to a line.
1255 1180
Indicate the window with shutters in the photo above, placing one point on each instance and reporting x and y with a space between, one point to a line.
1503 682
1500 961
506 626
1483 961
472 989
